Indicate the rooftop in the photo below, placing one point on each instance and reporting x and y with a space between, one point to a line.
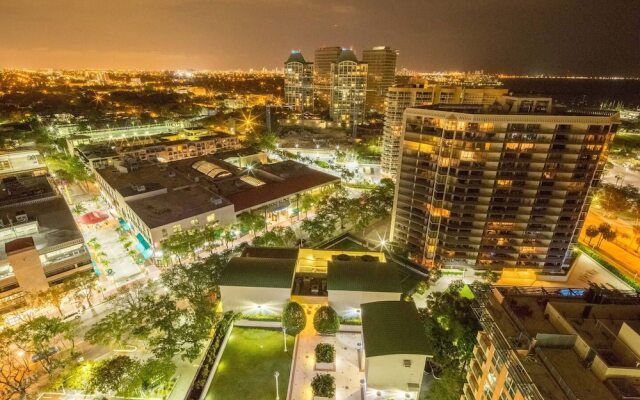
259 272
47 220
296 56
364 276
560 319
175 205
165 192
504 108
393 327
347 55
271 252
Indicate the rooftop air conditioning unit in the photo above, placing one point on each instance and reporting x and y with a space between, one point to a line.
21 217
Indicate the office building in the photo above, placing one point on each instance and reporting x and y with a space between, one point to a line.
323 58
555 344
348 89
398 98
298 83
498 187
381 62
40 244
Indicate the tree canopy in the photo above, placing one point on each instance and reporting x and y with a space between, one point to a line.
293 318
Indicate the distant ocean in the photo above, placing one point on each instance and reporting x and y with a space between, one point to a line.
580 92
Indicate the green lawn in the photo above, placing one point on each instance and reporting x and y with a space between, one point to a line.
249 360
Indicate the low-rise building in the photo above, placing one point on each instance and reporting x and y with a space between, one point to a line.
257 284
395 347
159 199
29 162
353 281
40 244
161 148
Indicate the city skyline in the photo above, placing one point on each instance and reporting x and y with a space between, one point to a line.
247 34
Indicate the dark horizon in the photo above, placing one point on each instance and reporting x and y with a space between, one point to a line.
572 37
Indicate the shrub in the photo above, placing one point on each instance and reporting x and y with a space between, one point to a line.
323 385
326 321
325 353
293 318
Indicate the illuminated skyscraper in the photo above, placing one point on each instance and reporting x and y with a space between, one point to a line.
381 62
498 187
348 89
298 82
323 58
398 98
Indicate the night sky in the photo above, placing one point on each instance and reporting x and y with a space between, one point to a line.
594 37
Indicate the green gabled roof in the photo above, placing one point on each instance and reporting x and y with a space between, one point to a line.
393 327
363 276
271 252
259 272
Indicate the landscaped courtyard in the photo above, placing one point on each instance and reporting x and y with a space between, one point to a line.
248 363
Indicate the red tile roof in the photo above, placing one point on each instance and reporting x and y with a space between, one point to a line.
272 191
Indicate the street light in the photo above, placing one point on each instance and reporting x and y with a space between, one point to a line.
276 375
284 338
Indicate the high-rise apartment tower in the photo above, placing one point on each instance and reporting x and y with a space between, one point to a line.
348 89
500 186
298 82
398 98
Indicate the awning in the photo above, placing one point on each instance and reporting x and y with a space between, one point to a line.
143 241
124 224
279 206
143 246
93 217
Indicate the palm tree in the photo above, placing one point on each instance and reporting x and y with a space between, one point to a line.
609 236
79 209
591 232
94 245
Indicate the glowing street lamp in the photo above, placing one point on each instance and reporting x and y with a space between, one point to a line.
284 338
276 375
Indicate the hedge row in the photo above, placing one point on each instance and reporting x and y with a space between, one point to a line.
593 254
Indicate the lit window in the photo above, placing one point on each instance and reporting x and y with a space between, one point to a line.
504 182
467 155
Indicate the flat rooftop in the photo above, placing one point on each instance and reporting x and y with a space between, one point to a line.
554 365
14 189
164 192
500 110
262 184
175 205
55 223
